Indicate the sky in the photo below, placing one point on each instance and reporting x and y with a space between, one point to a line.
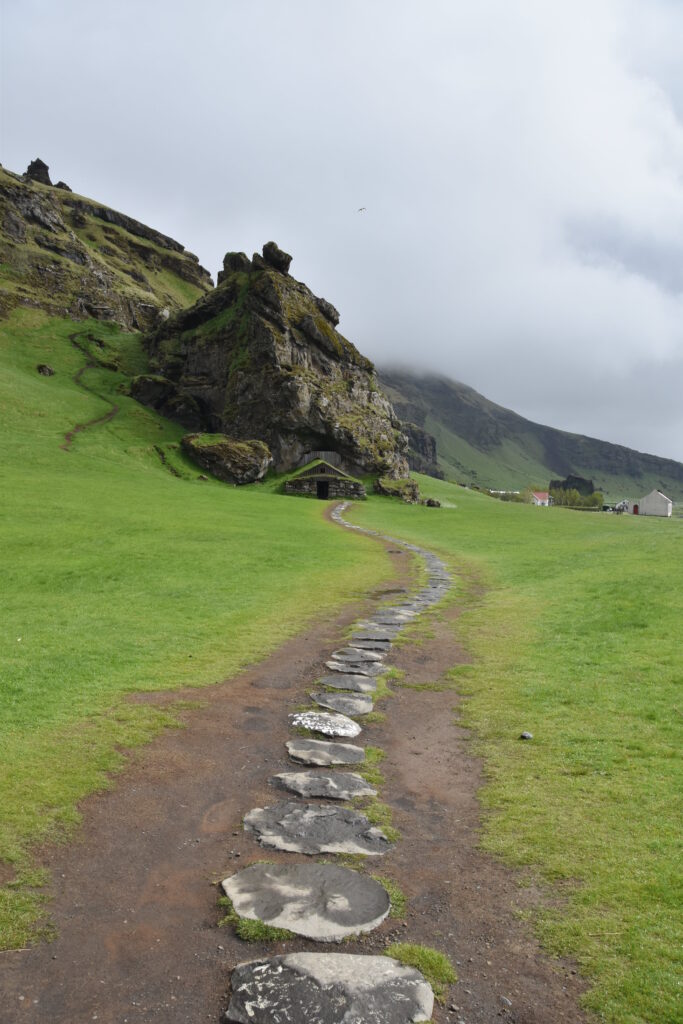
520 163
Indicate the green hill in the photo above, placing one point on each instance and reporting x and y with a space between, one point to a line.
479 442
72 256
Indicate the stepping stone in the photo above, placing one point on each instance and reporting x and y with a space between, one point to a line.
346 704
328 988
324 902
363 644
346 681
324 753
329 725
359 668
315 828
354 654
375 634
329 785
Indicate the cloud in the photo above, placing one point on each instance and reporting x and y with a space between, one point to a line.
521 164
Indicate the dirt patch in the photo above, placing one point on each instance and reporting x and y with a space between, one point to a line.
135 896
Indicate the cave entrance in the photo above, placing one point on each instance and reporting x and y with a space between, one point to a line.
322 489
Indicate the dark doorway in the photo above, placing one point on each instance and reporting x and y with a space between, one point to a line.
323 488
636 510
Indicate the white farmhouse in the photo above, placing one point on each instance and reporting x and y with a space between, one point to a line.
540 498
653 504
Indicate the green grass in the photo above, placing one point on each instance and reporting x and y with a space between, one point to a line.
380 814
436 968
369 769
120 578
397 897
575 626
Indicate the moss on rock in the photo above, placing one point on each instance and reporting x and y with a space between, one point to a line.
235 462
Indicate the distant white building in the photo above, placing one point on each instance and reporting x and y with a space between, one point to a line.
653 504
540 497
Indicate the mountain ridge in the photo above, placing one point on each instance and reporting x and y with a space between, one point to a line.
481 442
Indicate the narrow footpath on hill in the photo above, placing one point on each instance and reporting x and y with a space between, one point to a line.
135 895
91 364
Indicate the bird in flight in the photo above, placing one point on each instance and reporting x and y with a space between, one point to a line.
361 209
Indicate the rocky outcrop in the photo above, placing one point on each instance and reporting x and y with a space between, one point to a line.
38 171
72 257
235 462
260 357
421 450
406 489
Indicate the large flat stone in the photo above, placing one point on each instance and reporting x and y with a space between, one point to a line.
347 704
324 902
348 681
359 668
328 988
315 828
327 724
355 654
329 785
362 644
375 633
323 753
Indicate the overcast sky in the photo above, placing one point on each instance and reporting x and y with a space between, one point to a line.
520 161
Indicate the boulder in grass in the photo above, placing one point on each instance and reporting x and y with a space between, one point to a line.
235 462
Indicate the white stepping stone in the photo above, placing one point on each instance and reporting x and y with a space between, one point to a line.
323 753
328 988
329 785
329 725
315 828
324 902
347 704
348 681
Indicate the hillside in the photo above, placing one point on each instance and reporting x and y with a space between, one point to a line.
71 256
482 443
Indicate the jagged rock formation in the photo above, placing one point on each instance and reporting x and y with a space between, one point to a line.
38 170
260 358
73 257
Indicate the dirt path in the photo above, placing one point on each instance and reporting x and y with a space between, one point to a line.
135 896
91 364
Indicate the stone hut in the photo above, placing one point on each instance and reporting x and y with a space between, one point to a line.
320 479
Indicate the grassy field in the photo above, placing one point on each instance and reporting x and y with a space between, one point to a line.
577 638
119 577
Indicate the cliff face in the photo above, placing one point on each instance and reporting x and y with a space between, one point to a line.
260 357
73 257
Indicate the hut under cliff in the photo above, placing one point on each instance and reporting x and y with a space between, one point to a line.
320 479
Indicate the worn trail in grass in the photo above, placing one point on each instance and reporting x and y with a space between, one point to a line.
119 577
576 637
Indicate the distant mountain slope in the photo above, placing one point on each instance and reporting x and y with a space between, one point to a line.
75 257
483 443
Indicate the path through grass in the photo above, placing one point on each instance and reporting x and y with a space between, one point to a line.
576 638
119 577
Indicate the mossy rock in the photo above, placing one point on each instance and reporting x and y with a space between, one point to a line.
405 489
235 462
